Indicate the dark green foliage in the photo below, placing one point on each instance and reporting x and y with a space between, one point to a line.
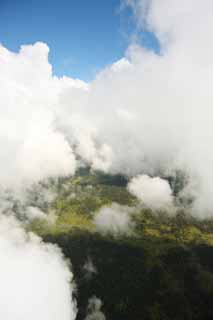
136 284
163 271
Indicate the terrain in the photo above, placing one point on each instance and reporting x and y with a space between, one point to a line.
161 269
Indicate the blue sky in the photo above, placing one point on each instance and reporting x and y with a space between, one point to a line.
83 35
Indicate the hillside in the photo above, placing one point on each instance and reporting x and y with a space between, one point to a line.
160 269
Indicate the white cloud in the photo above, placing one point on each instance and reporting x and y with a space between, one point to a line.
94 309
114 219
35 279
33 213
31 146
146 113
155 193
89 268
154 112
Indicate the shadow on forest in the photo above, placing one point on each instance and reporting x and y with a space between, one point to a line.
136 281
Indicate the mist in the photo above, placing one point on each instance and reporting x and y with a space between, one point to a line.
114 219
94 309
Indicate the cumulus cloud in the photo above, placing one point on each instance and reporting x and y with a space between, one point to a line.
147 113
31 146
153 111
35 278
115 219
155 193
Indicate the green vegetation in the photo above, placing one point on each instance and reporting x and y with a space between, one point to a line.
163 271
